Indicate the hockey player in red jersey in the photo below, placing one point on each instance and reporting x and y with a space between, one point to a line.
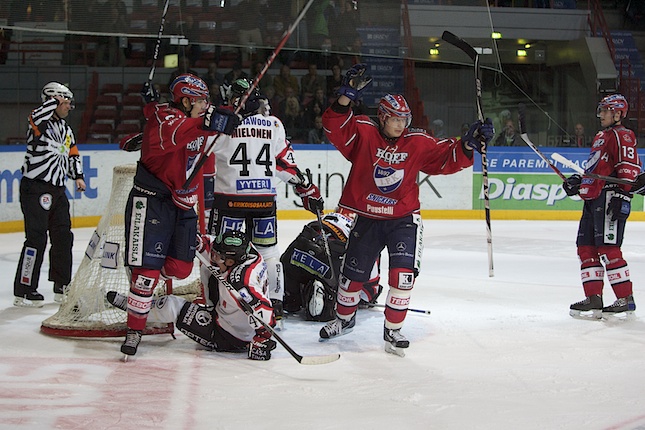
605 212
382 189
160 222
221 324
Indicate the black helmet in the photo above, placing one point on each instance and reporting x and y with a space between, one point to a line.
232 244
237 89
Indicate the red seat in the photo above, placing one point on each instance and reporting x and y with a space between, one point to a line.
131 101
105 116
125 129
106 102
101 131
131 116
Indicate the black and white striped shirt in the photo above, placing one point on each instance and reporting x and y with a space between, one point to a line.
52 154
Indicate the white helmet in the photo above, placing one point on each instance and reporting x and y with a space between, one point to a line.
53 89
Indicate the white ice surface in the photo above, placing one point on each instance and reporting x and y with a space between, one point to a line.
496 353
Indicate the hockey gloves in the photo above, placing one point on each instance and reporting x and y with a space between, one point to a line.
311 198
261 346
478 135
149 93
222 120
572 185
355 82
619 206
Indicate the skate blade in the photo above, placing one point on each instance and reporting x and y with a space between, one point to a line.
594 315
619 316
391 349
125 358
346 331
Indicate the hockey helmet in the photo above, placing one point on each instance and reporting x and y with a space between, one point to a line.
54 89
340 221
232 244
190 86
615 102
394 105
237 89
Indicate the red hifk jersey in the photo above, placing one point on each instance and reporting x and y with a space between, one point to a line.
613 153
382 182
172 145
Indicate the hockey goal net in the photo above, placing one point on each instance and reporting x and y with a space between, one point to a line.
84 311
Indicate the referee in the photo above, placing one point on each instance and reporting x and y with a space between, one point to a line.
51 157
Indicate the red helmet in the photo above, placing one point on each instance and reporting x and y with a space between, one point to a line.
188 86
394 105
616 102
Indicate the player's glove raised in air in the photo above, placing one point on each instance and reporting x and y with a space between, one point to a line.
572 185
261 346
219 119
311 198
355 82
619 206
478 135
131 142
149 93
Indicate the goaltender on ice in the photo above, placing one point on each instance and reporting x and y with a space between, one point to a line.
386 202
221 324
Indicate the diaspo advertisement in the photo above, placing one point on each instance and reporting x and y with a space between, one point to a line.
518 181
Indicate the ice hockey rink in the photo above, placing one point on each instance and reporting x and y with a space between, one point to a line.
495 353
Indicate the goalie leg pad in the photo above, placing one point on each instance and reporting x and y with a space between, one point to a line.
197 323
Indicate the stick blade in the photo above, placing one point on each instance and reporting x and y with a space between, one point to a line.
459 43
319 359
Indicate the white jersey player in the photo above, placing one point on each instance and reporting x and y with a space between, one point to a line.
222 324
248 163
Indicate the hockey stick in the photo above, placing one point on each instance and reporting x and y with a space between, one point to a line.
209 149
470 51
133 142
570 164
324 236
320 359
525 137
378 305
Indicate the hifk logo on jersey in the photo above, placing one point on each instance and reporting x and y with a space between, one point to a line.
593 160
388 179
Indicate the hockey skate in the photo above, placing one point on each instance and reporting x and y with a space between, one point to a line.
337 327
59 292
132 340
624 305
29 300
589 308
278 313
117 300
395 342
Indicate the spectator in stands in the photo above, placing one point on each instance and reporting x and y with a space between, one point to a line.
312 110
190 29
110 52
509 137
334 82
281 105
579 138
250 20
317 134
292 119
183 67
343 28
310 82
254 70
235 74
217 98
285 79
437 129
212 76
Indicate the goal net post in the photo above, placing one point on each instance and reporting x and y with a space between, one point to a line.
84 311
